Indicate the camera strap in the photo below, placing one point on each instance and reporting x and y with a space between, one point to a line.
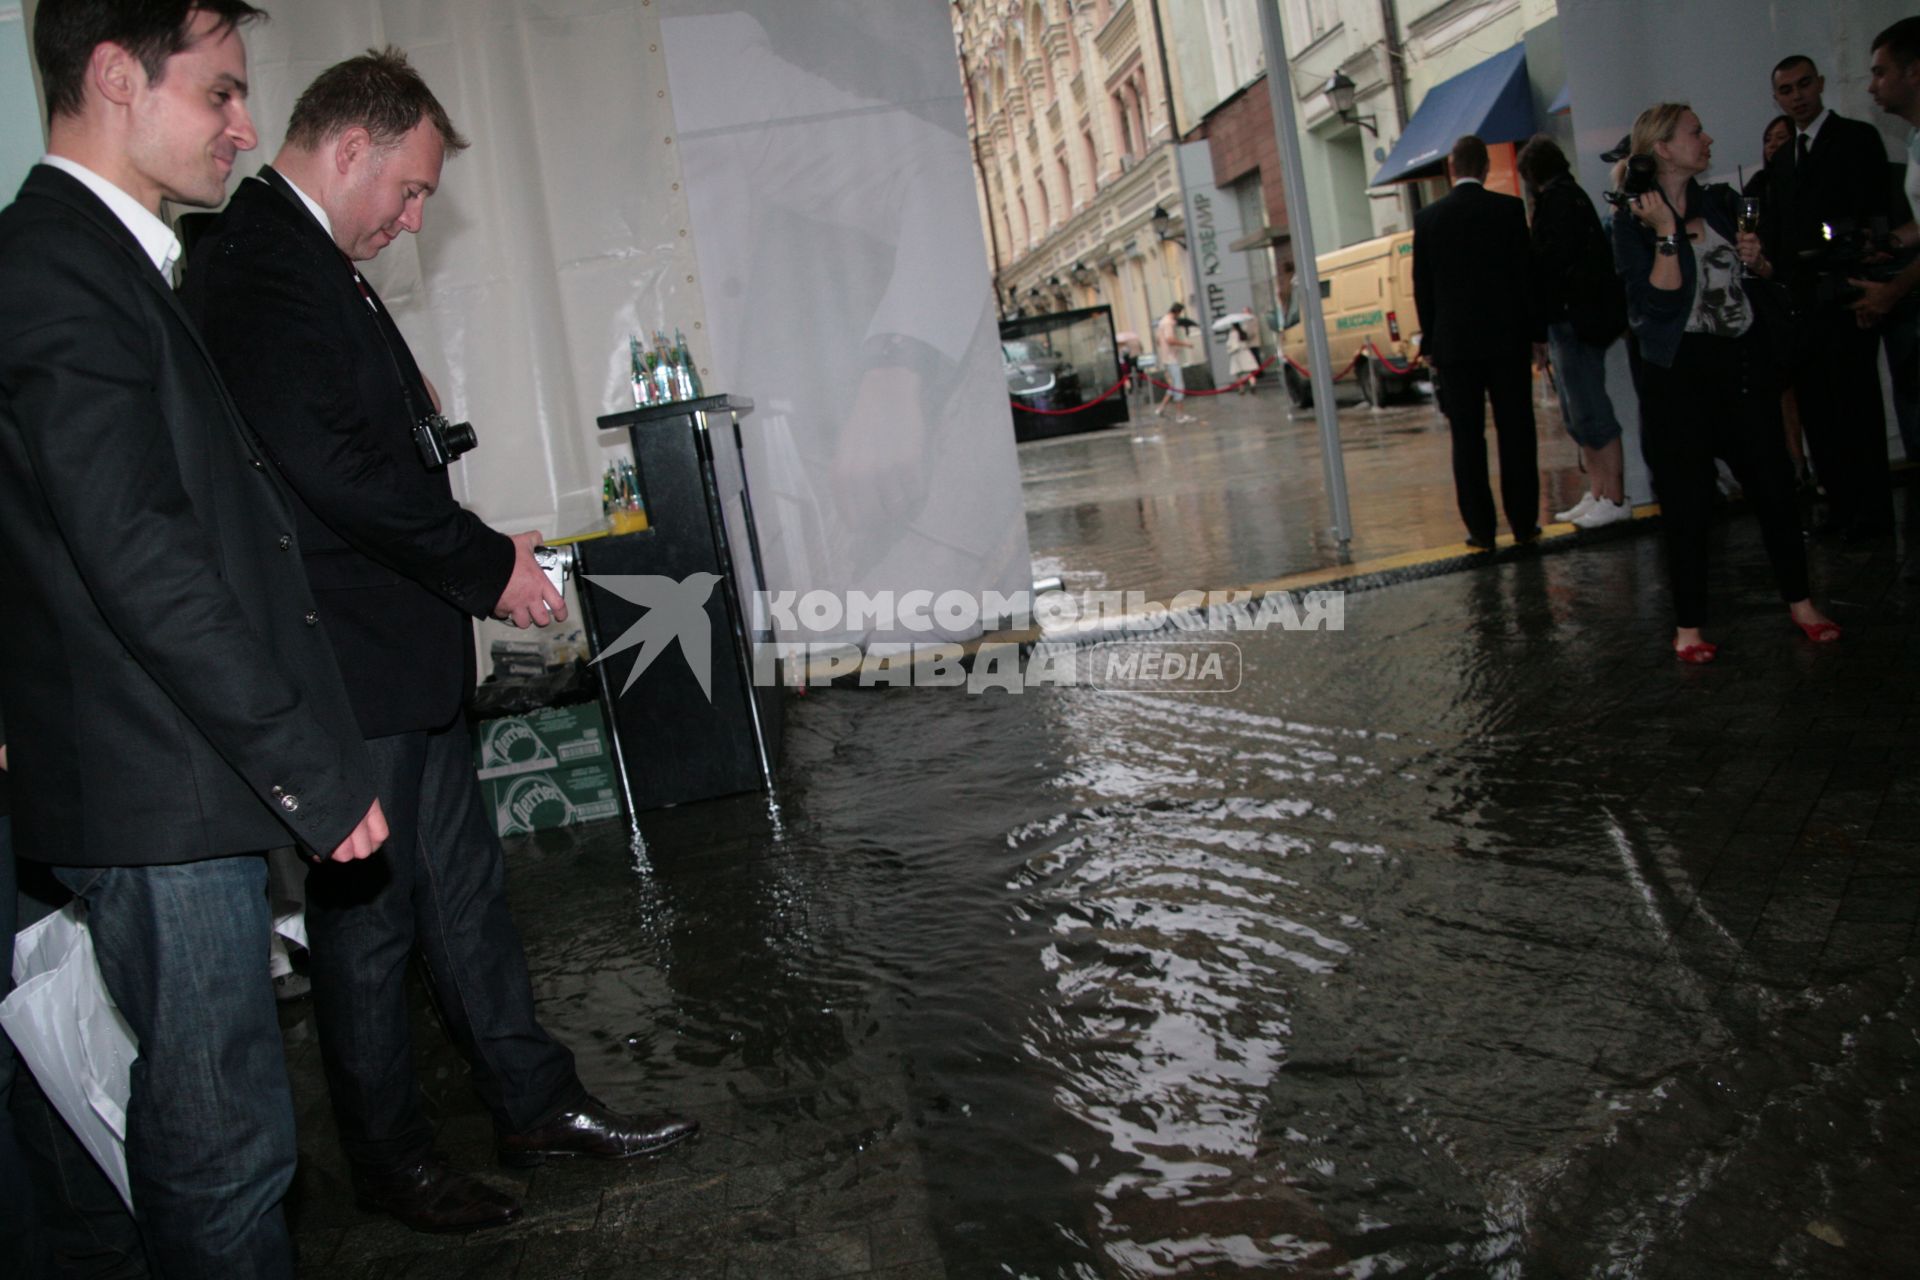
380 322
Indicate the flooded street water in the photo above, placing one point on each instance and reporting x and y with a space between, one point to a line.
1473 939
1434 950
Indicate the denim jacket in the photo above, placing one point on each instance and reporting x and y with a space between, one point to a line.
1658 317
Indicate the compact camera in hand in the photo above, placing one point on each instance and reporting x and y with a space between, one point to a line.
557 563
440 441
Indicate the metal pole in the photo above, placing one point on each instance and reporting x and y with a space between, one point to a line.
1306 279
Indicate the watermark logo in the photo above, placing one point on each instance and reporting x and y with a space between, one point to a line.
675 610
1120 641
1174 666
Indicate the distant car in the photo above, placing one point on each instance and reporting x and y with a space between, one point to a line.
1037 378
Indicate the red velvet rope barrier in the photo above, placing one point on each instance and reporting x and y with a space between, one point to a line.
1231 387
1079 408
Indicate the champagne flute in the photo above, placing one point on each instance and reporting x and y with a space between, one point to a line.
1748 220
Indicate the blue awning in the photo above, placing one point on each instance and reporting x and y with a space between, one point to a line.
1561 103
1491 100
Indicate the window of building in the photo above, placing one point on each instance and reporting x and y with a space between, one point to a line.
1123 124
1093 160
1238 54
1308 20
1046 205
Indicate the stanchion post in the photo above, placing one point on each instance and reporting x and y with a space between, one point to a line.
1306 280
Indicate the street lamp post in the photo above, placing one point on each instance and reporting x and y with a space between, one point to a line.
1161 221
1339 93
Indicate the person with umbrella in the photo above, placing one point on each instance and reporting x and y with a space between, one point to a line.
1243 356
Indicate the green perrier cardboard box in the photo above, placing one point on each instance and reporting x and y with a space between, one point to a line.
549 768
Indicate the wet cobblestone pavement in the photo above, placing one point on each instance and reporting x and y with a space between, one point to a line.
1237 496
1478 938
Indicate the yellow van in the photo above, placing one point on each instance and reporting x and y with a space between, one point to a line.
1366 297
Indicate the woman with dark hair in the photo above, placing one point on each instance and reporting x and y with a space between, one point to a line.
1578 298
1778 133
1703 362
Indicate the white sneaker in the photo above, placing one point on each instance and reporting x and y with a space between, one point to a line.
1603 513
1578 509
1186 417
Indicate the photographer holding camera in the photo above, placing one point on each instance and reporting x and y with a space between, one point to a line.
1827 190
398 567
1703 354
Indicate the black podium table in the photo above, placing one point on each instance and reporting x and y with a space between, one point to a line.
676 601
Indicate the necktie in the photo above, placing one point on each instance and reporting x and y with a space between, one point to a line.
1800 148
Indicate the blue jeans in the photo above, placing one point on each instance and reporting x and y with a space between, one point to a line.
1580 374
210 1141
438 888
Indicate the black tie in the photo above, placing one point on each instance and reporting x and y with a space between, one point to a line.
1800 150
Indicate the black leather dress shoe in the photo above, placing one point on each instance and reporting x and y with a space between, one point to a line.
1521 537
597 1131
434 1196
1478 543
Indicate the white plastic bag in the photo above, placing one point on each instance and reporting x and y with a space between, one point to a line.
71 1035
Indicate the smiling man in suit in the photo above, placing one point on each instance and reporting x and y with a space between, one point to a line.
173 710
1470 286
1833 172
400 567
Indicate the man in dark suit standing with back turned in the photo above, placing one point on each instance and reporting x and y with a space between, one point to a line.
399 567
1833 172
173 710
1477 330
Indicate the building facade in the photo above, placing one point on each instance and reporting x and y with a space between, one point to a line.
1079 109
1073 133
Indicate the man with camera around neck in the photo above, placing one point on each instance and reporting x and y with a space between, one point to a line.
397 567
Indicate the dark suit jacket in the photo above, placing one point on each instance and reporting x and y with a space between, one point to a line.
1844 178
327 380
169 696
1470 277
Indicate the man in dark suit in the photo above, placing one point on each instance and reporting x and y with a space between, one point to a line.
172 707
1470 254
1834 171
400 567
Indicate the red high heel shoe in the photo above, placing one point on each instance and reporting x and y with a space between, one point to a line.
1819 632
1697 654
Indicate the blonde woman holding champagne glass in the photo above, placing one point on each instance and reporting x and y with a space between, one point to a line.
1702 352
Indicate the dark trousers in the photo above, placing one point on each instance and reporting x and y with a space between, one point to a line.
1902 338
438 887
1837 383
210 1144
19 1224
1720 399
1465 388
